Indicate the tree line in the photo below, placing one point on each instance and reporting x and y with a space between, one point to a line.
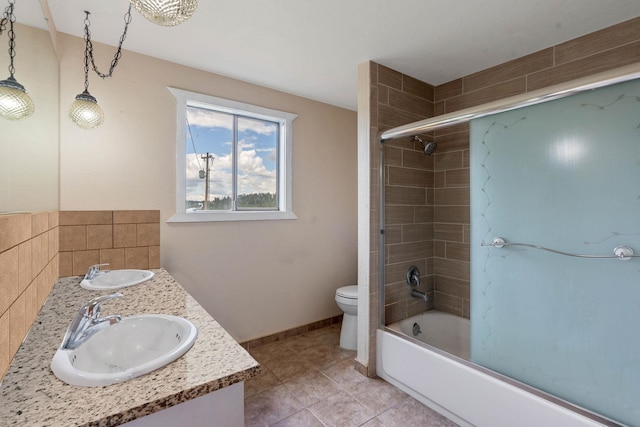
253 200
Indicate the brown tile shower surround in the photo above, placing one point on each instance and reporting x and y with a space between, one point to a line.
397 99
38 248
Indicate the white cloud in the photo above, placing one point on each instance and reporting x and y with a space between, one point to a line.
213 119
244 144
259 127
254 177
205 118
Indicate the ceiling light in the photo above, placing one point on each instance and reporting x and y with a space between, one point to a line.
166 12
15 104
85 111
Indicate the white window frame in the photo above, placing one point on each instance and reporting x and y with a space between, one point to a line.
285 203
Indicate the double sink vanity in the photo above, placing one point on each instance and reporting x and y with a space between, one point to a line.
142 355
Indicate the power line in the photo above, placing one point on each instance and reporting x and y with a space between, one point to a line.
193 143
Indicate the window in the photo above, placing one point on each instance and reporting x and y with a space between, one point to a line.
233 160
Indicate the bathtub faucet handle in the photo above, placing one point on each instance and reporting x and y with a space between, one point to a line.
413 276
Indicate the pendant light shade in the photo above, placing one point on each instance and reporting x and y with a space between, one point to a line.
166 12
85 111
15 104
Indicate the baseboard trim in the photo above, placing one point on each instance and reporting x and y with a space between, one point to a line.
362 369
251 344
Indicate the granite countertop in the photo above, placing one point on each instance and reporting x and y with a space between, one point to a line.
30 395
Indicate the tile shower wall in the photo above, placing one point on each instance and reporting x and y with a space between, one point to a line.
28 271
603 50
408 192
124 239
451 221
408 187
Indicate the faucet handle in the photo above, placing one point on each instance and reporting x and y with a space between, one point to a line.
413 276
96 267
92 308
93 271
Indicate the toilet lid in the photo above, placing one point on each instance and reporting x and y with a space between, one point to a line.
348 291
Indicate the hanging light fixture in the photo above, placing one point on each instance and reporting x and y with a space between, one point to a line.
85 111
166 12
15 104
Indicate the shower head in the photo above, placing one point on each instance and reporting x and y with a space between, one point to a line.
427 147
430 148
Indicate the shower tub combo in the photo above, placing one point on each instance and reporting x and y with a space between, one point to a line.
428 355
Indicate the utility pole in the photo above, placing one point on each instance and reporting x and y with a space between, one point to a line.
206 180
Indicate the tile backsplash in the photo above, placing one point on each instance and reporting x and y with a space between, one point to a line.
38 248
28 270
124 239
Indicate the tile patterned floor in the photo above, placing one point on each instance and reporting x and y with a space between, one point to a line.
308 381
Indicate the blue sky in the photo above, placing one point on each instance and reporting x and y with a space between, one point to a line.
211 132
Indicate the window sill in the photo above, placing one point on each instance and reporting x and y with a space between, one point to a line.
230 216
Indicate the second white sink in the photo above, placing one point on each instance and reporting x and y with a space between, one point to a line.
117 279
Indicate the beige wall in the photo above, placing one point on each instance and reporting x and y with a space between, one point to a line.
29 147
256 278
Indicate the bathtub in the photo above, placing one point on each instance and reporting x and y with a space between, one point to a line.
450 384
438 329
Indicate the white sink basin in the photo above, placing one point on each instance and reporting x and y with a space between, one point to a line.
116 279
133 347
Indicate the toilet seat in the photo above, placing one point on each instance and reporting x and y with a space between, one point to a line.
349 292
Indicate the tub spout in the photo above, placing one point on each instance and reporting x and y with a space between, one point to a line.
419 294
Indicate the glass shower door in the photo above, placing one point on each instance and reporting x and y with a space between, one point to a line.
563 175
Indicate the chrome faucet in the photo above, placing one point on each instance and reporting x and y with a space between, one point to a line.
88 322
94 271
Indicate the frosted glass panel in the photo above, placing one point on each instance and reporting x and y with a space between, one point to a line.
565 175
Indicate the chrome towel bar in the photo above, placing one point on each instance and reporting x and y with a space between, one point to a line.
619 252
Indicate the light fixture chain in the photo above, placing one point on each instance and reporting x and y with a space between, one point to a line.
12 41
86 52
118 54
5 18
11 18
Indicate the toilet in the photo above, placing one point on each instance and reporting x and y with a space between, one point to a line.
347 300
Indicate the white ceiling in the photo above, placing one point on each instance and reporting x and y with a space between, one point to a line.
312 48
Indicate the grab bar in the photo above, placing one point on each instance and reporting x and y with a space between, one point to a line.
619 252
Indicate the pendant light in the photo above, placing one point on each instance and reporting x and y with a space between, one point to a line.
166 12
15 104
85 111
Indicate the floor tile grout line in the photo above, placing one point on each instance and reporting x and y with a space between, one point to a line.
311 348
